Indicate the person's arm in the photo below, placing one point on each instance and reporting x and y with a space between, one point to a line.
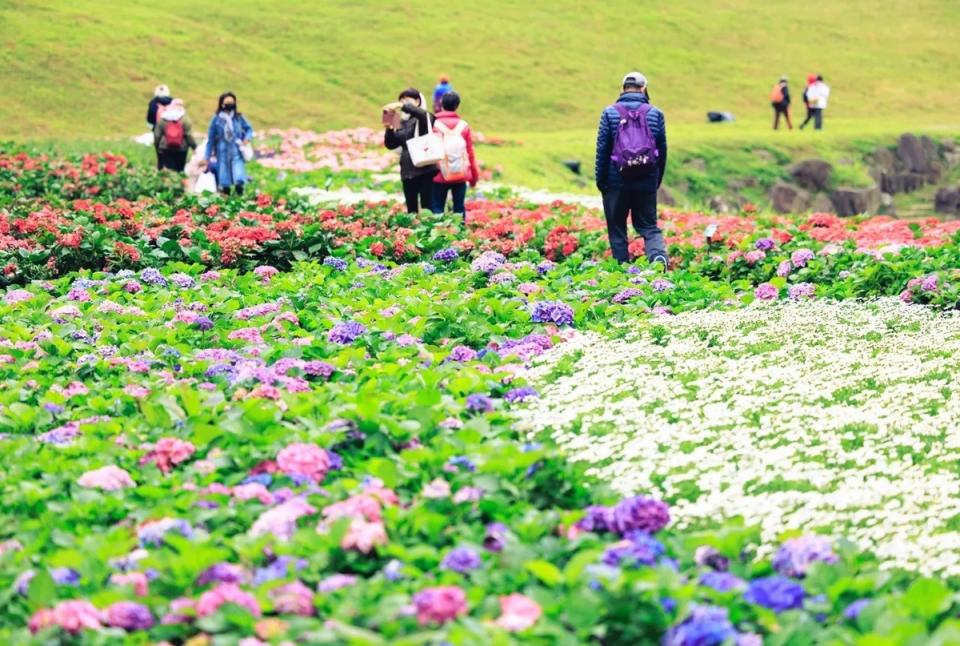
152 112
662 148
210 135
420 115
602 164
393 139
188 133
786 95
474 171
157 133
246 128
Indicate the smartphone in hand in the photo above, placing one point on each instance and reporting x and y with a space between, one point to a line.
390 118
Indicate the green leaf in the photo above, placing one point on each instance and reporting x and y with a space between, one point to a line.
42 591
545 571
926 598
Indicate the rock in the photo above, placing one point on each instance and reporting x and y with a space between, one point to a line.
951 158
914 153
812 174
947 200
886 205
764 155
787 198
740 183
719 204
896 183
883 160
682 186
665 197
948 145
854 201
821 204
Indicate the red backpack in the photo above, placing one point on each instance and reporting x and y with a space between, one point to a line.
173 132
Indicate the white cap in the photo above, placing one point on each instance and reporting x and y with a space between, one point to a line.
161 90
635 78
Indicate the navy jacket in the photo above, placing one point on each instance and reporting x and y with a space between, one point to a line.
608 177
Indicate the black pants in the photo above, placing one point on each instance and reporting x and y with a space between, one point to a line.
459 193
818 118
809 117
237 188
418 193
174 160
781 109
642 207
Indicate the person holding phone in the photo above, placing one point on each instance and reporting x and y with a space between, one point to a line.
403 120
229 132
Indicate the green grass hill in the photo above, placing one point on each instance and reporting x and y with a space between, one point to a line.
86 68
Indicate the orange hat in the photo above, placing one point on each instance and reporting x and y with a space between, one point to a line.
811 79
444 78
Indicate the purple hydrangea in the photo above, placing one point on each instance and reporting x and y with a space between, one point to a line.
152 533
640 514
796 555
446 255
182 280
461 462
222 573
801 290
598 519
336 263
704 626
495 538
626 295
722 581
488 262
462 353
784 269
56 409
552 312
765 244
766 292
519 395
479 403
393 571
318 369
776 593
346 333
711 558
801 257
153 276
929 284
129 615
662 285
639 549
336 582
854 609
280 568
461 559
203 322
545 266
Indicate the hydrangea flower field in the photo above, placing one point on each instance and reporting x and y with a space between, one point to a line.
254 421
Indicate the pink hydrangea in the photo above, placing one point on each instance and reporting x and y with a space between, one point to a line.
108 478
753 257
265 272
518 612
18 296
439 604
211 600
363 536
304 459
360 506
293 599
766 292
169 452
253 491
72 616
438 488
138 580
281 521
135 390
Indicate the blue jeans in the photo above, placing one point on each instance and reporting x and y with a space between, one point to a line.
459 192
642 207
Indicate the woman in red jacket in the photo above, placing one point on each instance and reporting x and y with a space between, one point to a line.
459 165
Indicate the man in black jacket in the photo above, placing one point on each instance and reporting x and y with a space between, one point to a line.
782 106
161 96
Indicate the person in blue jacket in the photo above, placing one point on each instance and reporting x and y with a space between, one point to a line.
638 197
442 88
228 130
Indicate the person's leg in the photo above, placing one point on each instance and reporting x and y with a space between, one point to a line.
818 119
238 188
776 117
643 212
459 192
179 160
439 197
411 191
615 212
425 192
786 114
809 117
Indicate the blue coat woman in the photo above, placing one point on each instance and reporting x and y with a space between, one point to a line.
228 129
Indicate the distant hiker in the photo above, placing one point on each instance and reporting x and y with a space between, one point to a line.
458 167
415 122
173 136
161 99
780 100
631 160
228 144
442 88
811 79
817 94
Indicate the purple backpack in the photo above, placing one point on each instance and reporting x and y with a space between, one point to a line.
635 152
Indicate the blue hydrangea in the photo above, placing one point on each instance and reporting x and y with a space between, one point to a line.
446 255
479 403
182 280
152 276
639 549
346 333
705 626
336 263
722 581
776 593
462 461
462 560
552 312
523 394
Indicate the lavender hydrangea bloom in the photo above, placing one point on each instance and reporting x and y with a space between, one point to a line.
336 263
929 284
346 333
722 581
639 549
662 285
519 395
182 280
129 615
705 626
393 571
222 573
545 266
203 323
336 582
796 555
495 538
766 292
153 533
335 461
784 269
640 514
552 312
801 257
626 295
854 609
801 290
461 559
153 276
776 593
764 244
462 353
446 255
479 403
487 262
710 557
261 478
281 568
598 519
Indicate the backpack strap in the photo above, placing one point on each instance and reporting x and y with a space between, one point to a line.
460 127
442 127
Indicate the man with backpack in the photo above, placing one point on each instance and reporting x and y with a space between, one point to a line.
458 165
780 100
817 94
173 136
631 160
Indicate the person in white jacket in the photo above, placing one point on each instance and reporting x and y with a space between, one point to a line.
817 95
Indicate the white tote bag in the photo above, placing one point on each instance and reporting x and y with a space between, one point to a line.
246 150
206 183
426 149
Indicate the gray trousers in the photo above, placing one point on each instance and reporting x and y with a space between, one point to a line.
642 208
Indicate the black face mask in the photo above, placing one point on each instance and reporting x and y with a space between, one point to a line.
229 107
